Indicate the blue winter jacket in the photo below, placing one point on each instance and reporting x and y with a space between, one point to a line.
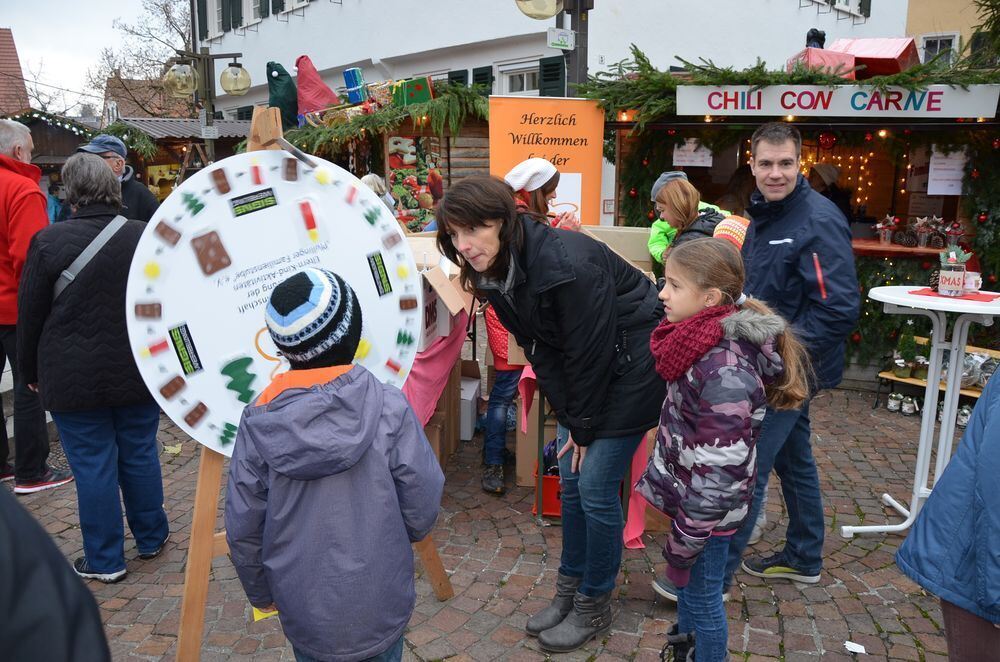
328 486
785 242
953 548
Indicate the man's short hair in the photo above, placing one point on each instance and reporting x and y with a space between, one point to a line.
89 181
776 133
13 134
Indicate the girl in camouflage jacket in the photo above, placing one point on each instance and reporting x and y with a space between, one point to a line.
725 358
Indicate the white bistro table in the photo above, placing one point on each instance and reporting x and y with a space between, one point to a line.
897 300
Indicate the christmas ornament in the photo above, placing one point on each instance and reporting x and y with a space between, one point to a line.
645 162
651 215
925 265
671 132
827 140
992 278
632 192
983 217
996 143
856 338
975 173
869 137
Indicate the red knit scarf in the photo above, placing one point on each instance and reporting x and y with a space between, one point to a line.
677 346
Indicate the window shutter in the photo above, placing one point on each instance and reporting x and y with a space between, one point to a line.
263 8
459 77
552 76
236 12
244 113
277 6
226 15
865 7
483 76
202 20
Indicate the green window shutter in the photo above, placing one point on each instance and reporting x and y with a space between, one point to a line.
226 15
264 6
459 77
552 76
236 12
483 76
202 20
277 6
865 7
244 113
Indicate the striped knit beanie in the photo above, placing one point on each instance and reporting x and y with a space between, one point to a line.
314 319
733 228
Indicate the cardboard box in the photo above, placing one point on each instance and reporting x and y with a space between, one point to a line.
471 392
527 442
882 56
448 406
515 355
435 433
443 295
628 243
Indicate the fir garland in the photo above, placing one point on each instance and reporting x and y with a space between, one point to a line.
138 142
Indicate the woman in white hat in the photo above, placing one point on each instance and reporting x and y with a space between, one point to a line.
534 182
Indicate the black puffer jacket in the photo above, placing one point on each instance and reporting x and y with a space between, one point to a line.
77 348
138 202
584 316
702 226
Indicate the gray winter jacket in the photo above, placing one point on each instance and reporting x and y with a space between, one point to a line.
330 481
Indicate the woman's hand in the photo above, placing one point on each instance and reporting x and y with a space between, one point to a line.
579 452
33 388
567 220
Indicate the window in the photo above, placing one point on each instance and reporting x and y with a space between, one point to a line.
933 45
521 82
218 17
255 9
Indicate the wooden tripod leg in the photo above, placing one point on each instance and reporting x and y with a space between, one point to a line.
200 553
435 569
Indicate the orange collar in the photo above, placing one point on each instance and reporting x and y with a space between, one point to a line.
300 379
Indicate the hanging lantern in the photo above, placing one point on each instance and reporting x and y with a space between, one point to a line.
827 140
181 80
235 80
632 192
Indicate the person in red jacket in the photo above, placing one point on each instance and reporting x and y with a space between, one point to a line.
22 214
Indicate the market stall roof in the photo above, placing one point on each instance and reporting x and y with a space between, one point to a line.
171 127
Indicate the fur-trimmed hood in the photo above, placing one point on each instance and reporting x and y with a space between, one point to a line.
753 336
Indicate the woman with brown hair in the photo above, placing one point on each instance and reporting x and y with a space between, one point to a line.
584 317
682 214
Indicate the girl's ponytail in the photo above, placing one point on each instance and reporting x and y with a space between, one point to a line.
791 388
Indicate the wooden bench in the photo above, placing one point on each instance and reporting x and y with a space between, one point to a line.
888 376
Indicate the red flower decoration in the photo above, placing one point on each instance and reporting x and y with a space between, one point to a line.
925 265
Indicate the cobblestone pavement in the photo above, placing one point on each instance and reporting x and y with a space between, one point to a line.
503 565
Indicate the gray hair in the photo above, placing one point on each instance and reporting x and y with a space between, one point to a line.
375 183
13 134
89 181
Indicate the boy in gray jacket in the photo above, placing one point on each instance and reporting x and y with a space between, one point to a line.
330 482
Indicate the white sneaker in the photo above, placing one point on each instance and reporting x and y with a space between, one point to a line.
758 529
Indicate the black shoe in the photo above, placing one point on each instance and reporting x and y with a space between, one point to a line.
156 552
82 568
666 589
679 647
493 479
776 567
52 478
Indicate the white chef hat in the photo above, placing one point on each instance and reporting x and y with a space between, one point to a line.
530 175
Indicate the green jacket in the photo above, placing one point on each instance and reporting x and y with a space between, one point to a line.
662 234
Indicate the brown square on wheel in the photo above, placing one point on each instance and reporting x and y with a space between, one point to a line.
194 416
407 303
167 233
291 172
221 182
148 311
211 254
173 387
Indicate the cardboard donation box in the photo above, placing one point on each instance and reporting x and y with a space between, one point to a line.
435 437
471 391
881 56
527 448
443 294
831 62
628 243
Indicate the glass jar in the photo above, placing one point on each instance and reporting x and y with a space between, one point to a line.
951 281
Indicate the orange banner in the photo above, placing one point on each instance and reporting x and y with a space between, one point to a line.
567 132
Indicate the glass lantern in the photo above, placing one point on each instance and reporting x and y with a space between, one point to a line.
181 80
540 9
235 80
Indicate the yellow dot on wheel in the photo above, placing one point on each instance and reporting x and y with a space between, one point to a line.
364 347
402 271
151 270
323 176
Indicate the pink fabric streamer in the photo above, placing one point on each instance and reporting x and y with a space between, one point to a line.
431 368
526 387
635 523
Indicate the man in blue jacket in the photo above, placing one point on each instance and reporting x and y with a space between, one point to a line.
799 261
953 549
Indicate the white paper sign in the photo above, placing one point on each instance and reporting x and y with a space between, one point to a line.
937 101
206 264
692 153
946 172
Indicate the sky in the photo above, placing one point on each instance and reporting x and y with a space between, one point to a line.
65 37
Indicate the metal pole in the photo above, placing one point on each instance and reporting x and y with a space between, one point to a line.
207 91
576 59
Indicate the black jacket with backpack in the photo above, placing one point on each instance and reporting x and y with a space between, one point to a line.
583 316
77 348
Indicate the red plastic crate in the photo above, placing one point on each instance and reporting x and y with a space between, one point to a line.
551 496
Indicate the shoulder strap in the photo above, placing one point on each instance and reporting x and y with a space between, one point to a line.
93 248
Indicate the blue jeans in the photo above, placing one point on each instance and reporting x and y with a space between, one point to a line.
495 439
699 604
110 449
783 445
393 654
592 513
